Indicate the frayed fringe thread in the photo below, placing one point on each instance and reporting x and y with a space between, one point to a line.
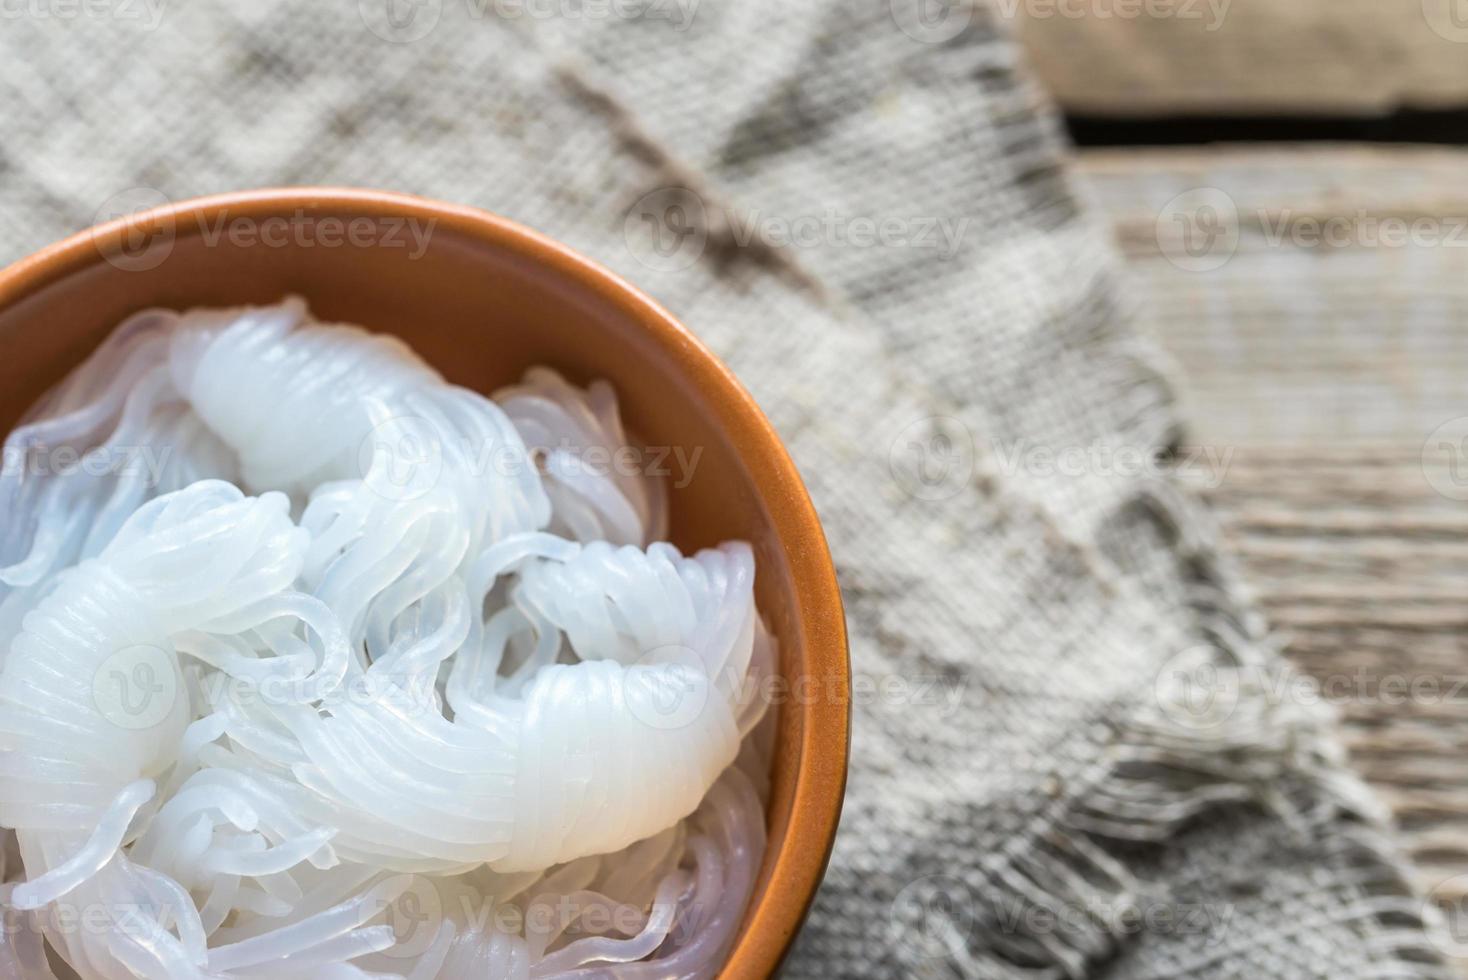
1181 758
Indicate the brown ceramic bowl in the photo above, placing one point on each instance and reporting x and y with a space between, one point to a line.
484 300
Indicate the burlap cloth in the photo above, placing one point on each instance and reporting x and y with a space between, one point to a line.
1062 761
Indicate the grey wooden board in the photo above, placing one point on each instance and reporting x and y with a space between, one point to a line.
1139 57
1322 371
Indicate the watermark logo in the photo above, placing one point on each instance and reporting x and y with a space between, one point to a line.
140 247
1447 18
932 21
147 13
1445 912
1211 13
1200 688
934 916
135 688
400 21
405 457
416 910
1198 231
667 229
1205 466
932 458
667 688
401 459
406 696
572 464
1445 459
43 460
1195 691
22 929
939 693
1360 229
305 230
147 244
411 905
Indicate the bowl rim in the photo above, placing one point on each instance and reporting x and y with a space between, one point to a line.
771 927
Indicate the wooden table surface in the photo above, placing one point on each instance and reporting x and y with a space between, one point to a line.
1316 303
1210 57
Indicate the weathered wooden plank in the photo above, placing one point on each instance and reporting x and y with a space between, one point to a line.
1321 372
1138 57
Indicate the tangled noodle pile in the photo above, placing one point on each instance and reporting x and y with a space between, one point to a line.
350 672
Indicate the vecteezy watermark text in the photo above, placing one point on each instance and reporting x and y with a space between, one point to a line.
1201 229
940 21
402 458
1211 13
670 228
416 907
305 230
39 459
406 21
1205 466
1447 18
666 699
935 457
1198 688
148 13
149 240
1445 459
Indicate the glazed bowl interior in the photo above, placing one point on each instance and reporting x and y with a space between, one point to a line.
485 300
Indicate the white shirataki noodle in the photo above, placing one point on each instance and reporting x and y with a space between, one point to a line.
315 665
